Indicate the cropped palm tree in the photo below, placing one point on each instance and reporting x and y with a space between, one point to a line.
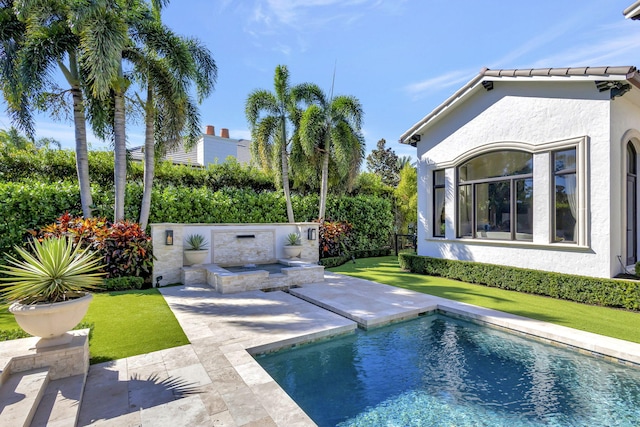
269 115
167 72
35 38
330 130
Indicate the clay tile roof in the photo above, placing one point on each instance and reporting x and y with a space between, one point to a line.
628 73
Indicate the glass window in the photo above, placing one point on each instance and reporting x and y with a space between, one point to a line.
495 196
438 203
566 197
500 163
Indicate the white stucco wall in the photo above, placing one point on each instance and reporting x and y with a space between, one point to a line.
537 116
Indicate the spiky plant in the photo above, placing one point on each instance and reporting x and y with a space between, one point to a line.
293 239
56 270
196 242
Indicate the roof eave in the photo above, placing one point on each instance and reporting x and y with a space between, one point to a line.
633 11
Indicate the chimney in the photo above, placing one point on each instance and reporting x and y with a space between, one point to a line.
210 130
224 133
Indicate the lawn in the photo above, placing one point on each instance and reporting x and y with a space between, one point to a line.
612 322
125 324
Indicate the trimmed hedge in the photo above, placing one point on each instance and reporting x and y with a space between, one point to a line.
32 205
122 283
60 165
588 290
337 261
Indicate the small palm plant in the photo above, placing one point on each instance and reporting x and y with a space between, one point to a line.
196 242
57 270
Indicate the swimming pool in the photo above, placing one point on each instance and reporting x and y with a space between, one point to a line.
437 371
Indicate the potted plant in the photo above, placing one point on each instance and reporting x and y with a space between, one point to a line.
49 288
195 250
293 247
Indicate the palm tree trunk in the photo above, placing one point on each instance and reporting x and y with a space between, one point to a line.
285 182
80 128
324 184
120 155
82 154
149 160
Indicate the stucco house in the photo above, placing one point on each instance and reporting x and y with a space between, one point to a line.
533 168
210 149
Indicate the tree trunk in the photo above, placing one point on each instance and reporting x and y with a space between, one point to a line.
324 184
285 175
120 155
82 154
80 128
149 160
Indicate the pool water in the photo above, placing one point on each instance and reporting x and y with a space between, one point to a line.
270 268
440 371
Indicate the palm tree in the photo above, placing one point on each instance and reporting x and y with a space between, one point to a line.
167 71
269 114
330 128
35 37
12 139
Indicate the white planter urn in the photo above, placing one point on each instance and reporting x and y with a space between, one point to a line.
51 321
194 257
292 251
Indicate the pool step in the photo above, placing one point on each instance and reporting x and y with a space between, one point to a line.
20 396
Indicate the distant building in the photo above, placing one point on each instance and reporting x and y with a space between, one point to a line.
209 149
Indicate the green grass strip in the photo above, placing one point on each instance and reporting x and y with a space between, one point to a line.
611 322
126 323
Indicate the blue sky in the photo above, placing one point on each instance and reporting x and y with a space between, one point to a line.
401 58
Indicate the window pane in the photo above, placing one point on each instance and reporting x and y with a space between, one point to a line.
566 208
500 163
565 160
524 209
438 178
631 159
438 214
493 210
464 211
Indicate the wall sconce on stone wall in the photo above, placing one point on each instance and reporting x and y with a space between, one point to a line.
168 237
311 234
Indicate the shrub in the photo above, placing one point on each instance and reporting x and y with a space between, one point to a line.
339 260
335 238
588 290
122 283
126 248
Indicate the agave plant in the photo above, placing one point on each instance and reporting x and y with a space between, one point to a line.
196 242
56 270
293 239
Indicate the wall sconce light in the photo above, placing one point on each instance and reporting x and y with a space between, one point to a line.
311 234
168 237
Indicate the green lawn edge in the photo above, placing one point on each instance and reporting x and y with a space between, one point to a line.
616 323
126 323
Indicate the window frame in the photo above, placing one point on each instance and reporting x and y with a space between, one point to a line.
435 221
564 172
511 179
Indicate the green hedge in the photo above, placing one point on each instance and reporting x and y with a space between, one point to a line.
337 261
588 290
122 283
31 205
59 165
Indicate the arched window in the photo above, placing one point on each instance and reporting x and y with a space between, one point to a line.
495 196
632 203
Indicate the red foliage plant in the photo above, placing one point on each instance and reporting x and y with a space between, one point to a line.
334 238
126 248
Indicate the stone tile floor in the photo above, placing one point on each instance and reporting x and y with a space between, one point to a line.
215 381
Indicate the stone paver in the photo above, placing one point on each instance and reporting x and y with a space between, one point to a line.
215 381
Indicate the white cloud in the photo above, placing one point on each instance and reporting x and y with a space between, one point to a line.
433 84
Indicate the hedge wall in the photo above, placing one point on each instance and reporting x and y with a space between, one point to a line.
589 290
31 204
59 165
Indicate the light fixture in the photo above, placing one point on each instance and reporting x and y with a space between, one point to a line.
168 237
311 234
413 141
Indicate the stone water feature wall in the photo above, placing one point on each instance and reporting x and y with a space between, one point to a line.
229 244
